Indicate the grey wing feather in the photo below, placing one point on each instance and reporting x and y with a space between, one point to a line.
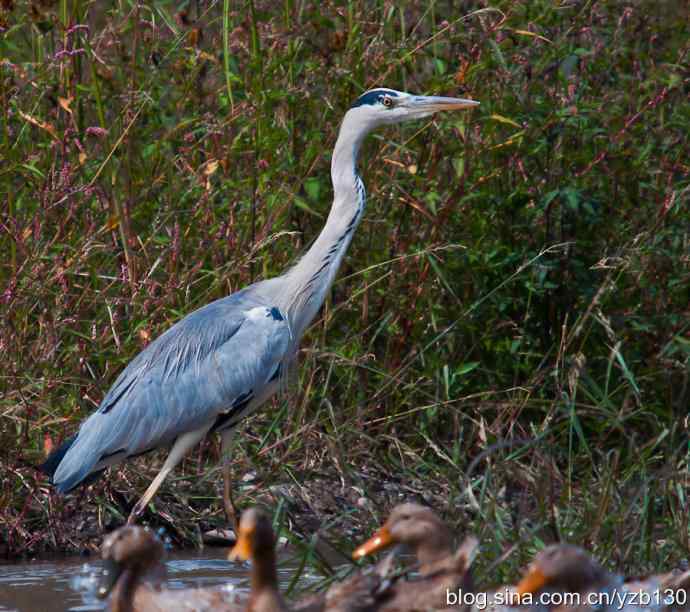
182 381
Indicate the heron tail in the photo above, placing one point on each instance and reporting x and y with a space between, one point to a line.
73 480
50 465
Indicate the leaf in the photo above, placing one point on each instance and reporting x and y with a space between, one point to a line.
681 344
40 124
549 197
47 444
498 54
112 223
313 188
33 169
502 119
299 202
628 375
65 103
466 368
211 167
461 74
569 65
533 35
514 139
572 198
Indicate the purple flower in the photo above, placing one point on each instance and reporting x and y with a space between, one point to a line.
96 131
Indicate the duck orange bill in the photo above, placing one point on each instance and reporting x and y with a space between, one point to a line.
242 550
533 581
379 541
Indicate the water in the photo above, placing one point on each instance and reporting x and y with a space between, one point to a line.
70 584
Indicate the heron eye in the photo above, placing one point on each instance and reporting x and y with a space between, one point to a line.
386 101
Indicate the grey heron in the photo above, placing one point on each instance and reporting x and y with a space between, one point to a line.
219 363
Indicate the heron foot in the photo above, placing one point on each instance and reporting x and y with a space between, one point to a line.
136 512
231 513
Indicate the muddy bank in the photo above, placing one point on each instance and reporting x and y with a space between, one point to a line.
189 509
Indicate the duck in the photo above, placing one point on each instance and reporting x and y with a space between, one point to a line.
441 569
360 592
256 543
675 588
132 568
134 573
565 569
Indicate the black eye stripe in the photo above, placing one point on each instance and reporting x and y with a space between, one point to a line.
374 96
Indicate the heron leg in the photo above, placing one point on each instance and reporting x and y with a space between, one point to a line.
180 448
227 446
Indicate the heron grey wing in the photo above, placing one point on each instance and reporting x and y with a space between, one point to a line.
208 386
183 380
199 333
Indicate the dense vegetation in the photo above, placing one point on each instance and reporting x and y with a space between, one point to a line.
509 337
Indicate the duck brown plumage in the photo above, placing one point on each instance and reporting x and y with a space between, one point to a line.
256 542
441 569
565 568
134 571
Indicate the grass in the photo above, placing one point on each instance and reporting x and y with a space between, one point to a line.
508 338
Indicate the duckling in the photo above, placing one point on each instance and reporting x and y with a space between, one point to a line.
441 570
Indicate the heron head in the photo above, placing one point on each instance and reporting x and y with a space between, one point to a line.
384 106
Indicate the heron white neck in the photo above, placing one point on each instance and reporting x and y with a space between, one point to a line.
313 275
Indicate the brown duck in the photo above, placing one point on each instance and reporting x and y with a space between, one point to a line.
441 569
133 573
567 569
564 569
358 593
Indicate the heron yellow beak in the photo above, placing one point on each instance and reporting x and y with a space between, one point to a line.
242 550
533 581
381 540
434 104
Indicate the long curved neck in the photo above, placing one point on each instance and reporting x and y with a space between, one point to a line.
265 594
312 276
122 596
